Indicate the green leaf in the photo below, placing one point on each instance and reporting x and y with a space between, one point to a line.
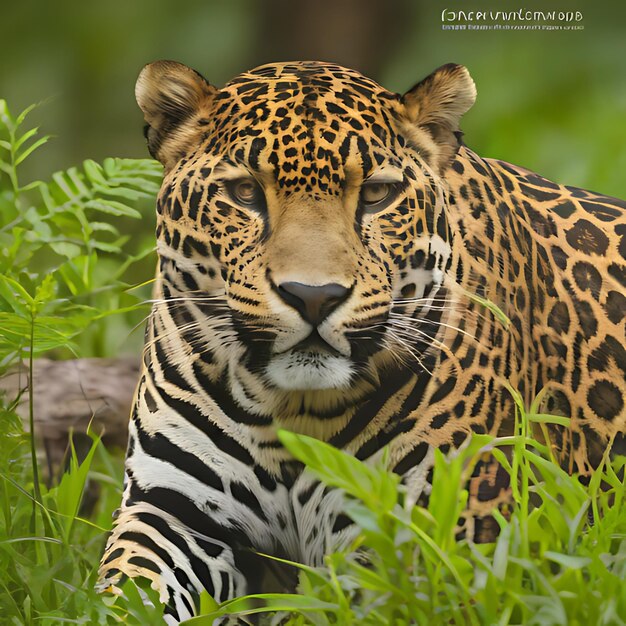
335 467
544 418
22 116
104 227
66 249
69 492
25 137
264 603
112 208
497 312
64 183
28 151
207 603
94 172
129 193
46 290
567 560
105 247
14 293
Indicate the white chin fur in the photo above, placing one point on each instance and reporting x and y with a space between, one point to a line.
294 371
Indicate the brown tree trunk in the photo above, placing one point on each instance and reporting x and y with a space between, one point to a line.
360 34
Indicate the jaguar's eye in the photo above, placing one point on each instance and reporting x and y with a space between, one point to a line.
246 192
375 194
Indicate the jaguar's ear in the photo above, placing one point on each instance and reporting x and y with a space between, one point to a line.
173 97
436 104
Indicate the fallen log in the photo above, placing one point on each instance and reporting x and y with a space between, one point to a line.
71 397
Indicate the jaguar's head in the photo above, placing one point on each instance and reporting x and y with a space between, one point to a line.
302 205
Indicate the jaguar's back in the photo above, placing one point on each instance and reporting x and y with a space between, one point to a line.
551 258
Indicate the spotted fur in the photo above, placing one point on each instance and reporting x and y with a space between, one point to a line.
285 296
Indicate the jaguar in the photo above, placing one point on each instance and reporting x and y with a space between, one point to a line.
333 260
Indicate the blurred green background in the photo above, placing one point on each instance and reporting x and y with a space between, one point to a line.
552 101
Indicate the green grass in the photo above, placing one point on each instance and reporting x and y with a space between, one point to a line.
49 549
550 565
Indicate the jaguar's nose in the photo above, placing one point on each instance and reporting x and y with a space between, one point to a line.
314 303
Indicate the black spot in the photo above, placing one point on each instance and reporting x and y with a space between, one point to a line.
305 495
471 385
457 166
558 404
412 459
145 563
587 278
618 272
150 401
597 360
587 238
468 359
478 403
605 399
476 191
244 495
542 224
602 212
443 390
258 143
564 209
194 203
621 230
559 256
176 210
190 281
264 478
559 318
417 260
538 194
540 181
335 109
458 437
440 420
190 244
408 291
587 318
442 226
342 521
114 555
615 306
486 491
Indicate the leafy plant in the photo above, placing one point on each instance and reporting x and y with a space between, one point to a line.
548 565
52 240
55 237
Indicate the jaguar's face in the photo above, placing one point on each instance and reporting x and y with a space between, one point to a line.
307 201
